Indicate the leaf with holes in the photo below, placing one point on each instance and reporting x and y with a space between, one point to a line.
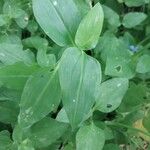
110 94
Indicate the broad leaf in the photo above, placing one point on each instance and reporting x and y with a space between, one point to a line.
111 16
35 42
79 75
132 3
62 116
41 95
8 112
56 19
120 66
133 19
84 6
11 53
90 138
143 65
116 55
132 100
51 131
90 28
15 76
26 145
110 94
7 94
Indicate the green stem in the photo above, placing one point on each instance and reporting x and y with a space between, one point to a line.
143 41
128 127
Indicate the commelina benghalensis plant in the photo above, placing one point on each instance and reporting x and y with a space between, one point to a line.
74 74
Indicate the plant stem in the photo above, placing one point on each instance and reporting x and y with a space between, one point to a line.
131 128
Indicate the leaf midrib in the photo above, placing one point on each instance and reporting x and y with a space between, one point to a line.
61 18
79 86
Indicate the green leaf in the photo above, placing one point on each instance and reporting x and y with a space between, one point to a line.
3 20
90 138
35 42
134 97
116 55
26 145
22 20
132 3
110 94
143 65
58 20
45 60
69 147
111 16
8 112
42 90
79 76
84 6
62 116
133 19
5 140
90 28
15 76
11 39
51 131
11 53
120 66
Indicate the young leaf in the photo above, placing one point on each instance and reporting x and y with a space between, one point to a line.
133 19
143 65
41 95
79 76
110 94
58 20
15 76
90 28
51 131
90 138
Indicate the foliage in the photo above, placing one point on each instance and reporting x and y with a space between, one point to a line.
74 74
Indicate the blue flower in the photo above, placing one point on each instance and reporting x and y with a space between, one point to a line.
133 48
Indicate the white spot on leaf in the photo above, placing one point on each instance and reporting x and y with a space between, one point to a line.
26 18
55 3
119 84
